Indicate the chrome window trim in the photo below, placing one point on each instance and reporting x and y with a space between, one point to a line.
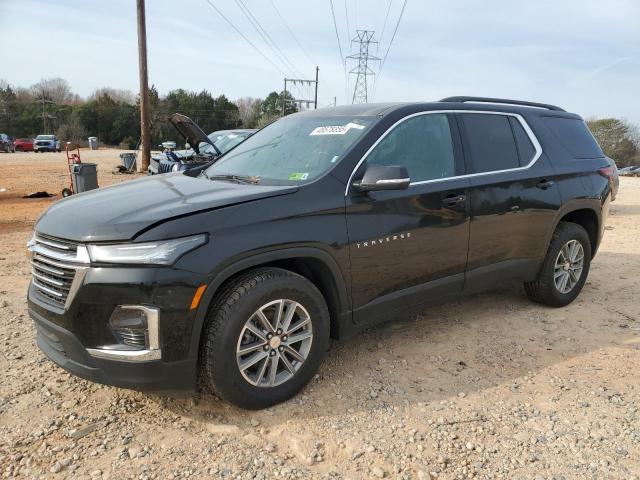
520 118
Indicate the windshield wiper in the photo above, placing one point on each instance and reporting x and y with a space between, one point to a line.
243 179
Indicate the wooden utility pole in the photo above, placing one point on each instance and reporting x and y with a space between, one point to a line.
145 135
284 98
315 98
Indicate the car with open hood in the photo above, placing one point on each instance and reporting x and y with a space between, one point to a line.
202 149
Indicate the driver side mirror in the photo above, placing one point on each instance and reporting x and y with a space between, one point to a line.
383 177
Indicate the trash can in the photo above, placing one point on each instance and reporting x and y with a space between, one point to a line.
93 143
84 177
128 161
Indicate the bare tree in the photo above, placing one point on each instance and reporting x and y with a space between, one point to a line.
55 89
249 111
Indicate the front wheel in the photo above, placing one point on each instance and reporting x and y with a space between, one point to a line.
265 337
565 268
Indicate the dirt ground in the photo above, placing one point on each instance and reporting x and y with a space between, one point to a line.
491 386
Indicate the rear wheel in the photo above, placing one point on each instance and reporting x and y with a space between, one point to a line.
565 268
265 338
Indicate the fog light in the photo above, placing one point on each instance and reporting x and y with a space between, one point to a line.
130 324
137 330
136 326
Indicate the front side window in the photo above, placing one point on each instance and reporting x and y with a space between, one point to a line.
422 144
490 143
294 150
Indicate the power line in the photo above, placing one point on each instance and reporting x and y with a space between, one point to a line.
386 17
384 59
395 30
346 15
342 58
291 32
244 37
266 37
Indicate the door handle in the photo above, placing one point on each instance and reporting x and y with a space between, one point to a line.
453 199
544 184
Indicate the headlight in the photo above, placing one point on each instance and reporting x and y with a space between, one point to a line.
163 252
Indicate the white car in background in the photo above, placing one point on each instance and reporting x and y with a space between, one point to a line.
46 143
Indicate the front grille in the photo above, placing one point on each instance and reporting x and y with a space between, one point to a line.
43 144
54 266
165 166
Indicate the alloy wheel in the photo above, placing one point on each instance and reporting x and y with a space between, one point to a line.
568 267
274 343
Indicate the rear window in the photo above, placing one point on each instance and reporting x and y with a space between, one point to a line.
490 142
574 136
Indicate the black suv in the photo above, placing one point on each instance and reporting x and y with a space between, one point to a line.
320 225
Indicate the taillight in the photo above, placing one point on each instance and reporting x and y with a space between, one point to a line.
607 172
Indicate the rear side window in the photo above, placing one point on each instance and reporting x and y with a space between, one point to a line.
422 144
574 137
526 150
490 142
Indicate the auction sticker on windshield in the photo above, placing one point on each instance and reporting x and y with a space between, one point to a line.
336 129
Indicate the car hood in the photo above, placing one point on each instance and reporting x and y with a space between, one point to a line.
120 212
190 130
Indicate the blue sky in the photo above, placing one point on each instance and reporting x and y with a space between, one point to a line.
581 54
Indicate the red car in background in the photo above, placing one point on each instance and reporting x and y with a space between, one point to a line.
23 145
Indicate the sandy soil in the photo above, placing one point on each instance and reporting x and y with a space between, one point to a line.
491 386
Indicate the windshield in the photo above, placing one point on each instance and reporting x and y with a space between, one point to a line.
45 137
293 150
227 142
224 141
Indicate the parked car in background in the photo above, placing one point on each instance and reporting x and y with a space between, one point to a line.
203 148
6 143
629 171
24 145
46 143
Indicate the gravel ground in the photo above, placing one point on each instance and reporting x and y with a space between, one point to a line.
491 386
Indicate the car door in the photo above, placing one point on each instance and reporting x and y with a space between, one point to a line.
513 198
410 246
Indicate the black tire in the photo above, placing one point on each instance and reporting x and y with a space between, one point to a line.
543 289
66 192
219 371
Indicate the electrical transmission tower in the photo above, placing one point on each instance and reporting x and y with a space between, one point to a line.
364 38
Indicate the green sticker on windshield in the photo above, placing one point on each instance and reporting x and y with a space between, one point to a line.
298 176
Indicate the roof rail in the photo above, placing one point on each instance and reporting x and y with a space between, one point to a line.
503 101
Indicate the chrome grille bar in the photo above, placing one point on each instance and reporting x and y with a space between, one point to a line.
57 268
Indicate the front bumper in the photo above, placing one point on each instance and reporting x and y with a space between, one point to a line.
74 336
64 349
44 148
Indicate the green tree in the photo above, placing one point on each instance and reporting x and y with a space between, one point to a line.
618 139
272 105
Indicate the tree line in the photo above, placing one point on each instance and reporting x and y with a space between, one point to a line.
113 115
